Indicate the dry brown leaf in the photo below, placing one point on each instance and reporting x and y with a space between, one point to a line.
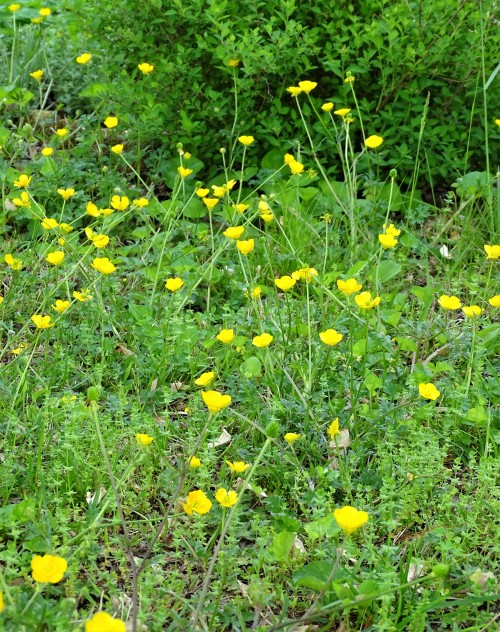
224 437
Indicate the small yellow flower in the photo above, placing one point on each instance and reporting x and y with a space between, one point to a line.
100 241
387 241
232 63
202 192
226 336
66 193
285 283
210 202
2 605
472 311
256 292
48 223
23 181
350 78
1 300
48 568
305 274
119 203
44 12
194 462
14 7
106 211
117 149
492 252
291 437
215 401
238 467
392 230
327 107
82 296
288 158
234 232
92 210
84 58
494 301
111 121
24 200
262 341
174 284
333 428
294 91
183 172
372 142
428 391
197 502
246 140
103 265
226 498
37 75
22 347
42 322
145 68
342 112
296 167
330 337
62 132
245 247
141 202
55 258
219 191
66 228
307 86
365 301
143 439
37 20
104 622
47 151
205 379
449 302
61 306
350 519
12 262
497 121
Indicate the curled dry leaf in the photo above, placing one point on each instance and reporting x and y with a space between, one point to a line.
341 441
224 437
253 488
91 498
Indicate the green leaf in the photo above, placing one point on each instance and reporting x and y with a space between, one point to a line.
372 382
194 209
313 575
390 316
252 367
95 90
388 269
322 527
406 344
282 545
478 415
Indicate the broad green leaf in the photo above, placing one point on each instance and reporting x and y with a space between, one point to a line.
282 545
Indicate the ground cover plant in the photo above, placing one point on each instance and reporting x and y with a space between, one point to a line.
249 389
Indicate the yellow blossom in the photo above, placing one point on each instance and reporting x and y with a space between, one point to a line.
350 78
205 379
143 439
219 191
194 462
92 210
174 284
305 274
141 202
55 258
145 68
237 467
62 132
232 63
14 7
12 262
294 91
61 306
285 283
387 241
100 241
111 121
119 203
246 140
392 230
226 498
38 20
22 347
197 502
23 181
106 211
84 58
202 192
342 112
48 568
2 605
327 107
103 265
104 622
256 292
365 300
24 200
183 172
234 232
66 193
215 401
47 151
350 519
372 142
82 296
42 322
288 158
226 336
330 337
296 167
210 202
45 12
307 86
48 223
240 208
262 341
492 252
449 302
428 391
66 228
333 428
291 437
267 217
117 149
37 75
245 246
472 311
494 301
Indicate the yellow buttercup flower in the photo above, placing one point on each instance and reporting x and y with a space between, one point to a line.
66 193
62 132
237 467
226 498
37 74
14 7
472 311
100 241
183 172
215 401
205 379
23 181
267 217
246 140
61 306
66 228
197 502
428 391
234 232
141 202
210 202
45 12
256 292
294 91
47 151
262 341
351 286
305 274
392 230
365 301
372 142
296 167
22 347
288 158
233 63
84 58
387 241
143 439
103 265
2 605
226 336
327 107
194 462
119 203
106 211
449 302
307 86
104 622
23 200
219 191
55 258
145 68
82 296
38 20
333 428
240 208
494 301
350 519
342 112
245 247
92 210
111 121
330 337
12 262
48 223
202 192
285 283
492 252
174 284
48 568
291 437
42 322
117 149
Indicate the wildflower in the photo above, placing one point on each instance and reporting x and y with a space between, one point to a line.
143 439
100 241
141 202
230 185
202 192
472 311
372 142
106 211
350 78
234 232
291 437
288 158
294 91
210 202
330 337
48 568
342 112
1 300
45 12
494 301
37 20
55 258
285 283
24 200
42 322
37 75
307 86
305 274
23 181
296 167
205 379
62 132
387 241
238 467
233 63
84 58
219 191
333 428
145 68
226 498
119 203
22 347
103 265
104 622
183 172
47 151
66 193
262 341
226 336
245 247
197 502
2 606
449 302
240 208
428 391
66 228
111 121
82 296
14 8
267 217
215 401
350 519
61 306
12 262
174 284
117 149
327 107
392 230
492 252
194 462
365 301
92 210
246 140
